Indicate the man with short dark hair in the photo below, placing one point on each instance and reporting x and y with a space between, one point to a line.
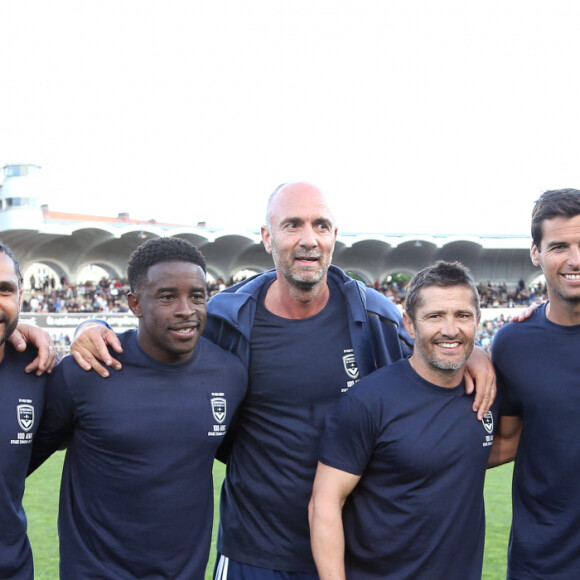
538 369
21 401
398 492
137 494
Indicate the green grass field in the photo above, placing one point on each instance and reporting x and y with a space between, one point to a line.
41 502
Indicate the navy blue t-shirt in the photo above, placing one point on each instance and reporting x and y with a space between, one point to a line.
136 494
417 511
21 401
538 370
298 370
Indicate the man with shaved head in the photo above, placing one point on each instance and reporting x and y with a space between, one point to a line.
306 333
312 332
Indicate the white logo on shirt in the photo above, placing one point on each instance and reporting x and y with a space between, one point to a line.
25 415
219 411
218 408
488 422
350 365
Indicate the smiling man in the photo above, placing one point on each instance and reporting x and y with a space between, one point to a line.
398 492
538 367
21 399
137 495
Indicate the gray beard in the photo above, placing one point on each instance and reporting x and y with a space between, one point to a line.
447 366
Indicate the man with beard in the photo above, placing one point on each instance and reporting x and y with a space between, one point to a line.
21 401
398 492
306 332
538 369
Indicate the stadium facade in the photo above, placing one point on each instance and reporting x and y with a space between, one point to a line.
68 243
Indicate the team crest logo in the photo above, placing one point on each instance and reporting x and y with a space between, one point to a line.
350 367
488 422
25 414
218 408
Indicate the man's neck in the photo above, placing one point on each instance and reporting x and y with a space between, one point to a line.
447 379
287 301
563 312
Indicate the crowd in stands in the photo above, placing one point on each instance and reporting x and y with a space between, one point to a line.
498 295
488 329
109 295
491 295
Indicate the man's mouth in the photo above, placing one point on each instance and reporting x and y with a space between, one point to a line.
308 258
448 344
185 330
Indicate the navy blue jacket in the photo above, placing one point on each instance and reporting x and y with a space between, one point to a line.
251 506
376 328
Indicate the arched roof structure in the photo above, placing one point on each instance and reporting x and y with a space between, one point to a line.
69 246
68 243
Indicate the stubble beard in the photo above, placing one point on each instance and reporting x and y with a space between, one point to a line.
562 294
440 364
308 285
9 329
296 279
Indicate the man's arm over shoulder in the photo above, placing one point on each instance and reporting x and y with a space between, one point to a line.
89 347
527 312
26 334
480 376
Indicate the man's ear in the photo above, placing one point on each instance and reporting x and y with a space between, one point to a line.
265 231
133 301
408 325
534 255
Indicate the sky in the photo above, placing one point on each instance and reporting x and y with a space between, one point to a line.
413 117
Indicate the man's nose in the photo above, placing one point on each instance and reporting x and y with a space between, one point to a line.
308 236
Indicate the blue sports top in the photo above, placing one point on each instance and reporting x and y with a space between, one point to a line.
136 495
538 370
377 338
21 401
417 511
298 369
